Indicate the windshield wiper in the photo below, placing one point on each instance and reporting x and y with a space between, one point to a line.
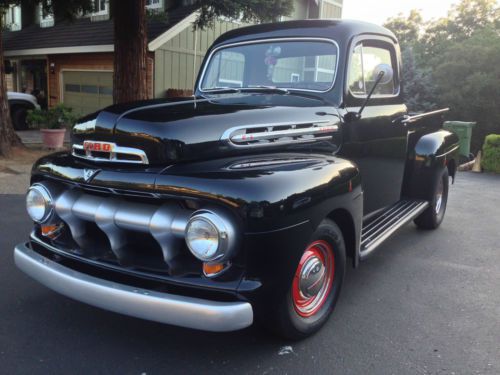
264 88
221 90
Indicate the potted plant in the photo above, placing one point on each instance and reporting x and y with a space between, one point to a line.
52 124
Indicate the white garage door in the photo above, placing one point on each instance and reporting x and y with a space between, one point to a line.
87 92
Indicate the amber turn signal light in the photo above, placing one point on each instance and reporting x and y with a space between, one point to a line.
212 269
51 230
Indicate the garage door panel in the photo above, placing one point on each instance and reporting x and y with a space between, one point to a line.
87 91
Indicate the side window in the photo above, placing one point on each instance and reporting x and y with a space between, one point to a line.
362 71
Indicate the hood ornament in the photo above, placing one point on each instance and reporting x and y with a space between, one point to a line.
88 174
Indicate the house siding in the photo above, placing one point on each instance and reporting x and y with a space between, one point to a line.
175 66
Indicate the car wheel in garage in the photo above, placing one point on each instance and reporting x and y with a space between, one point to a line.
18 115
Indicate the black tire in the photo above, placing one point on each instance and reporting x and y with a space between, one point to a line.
285 319
432 217
18 115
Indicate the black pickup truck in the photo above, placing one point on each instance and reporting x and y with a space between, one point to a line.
295 157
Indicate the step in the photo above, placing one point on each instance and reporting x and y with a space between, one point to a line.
388 222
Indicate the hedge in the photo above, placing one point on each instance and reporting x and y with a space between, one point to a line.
490 160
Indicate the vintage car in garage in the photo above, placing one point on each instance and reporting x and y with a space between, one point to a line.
295 158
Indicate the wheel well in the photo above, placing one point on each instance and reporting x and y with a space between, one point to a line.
343 219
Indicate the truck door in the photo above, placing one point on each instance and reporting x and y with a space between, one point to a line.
377 141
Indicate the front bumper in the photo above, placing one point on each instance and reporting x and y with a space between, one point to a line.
160 307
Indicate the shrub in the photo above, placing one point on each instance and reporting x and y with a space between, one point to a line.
58 117
491 153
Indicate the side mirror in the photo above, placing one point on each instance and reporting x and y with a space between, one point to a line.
386 77
382 74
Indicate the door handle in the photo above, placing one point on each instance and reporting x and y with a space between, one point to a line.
405 119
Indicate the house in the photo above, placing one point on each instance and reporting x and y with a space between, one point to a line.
72 62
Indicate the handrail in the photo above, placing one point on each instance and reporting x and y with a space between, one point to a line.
410 119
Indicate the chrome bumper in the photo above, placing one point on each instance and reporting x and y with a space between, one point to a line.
160 307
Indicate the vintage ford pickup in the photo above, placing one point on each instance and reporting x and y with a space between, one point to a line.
295 157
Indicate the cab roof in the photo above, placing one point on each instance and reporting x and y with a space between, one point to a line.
340 30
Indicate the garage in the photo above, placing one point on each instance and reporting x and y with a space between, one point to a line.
87 91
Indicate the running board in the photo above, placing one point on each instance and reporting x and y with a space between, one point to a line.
388 222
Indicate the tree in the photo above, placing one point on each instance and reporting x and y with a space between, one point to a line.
419 91
466 75
418 88
8 136
130 60
407 29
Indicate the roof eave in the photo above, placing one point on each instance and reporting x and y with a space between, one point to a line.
172 32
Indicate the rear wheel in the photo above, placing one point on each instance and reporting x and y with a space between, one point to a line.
432 217
315 287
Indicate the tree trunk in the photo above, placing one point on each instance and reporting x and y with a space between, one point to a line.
8 137
130 61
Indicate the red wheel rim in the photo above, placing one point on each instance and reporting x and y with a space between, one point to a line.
313 279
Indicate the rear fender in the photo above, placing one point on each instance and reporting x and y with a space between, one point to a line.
431 153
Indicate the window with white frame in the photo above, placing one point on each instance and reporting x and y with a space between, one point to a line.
154 4
101 7
12 18
46 18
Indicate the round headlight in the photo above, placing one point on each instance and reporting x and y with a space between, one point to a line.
208 236
38 203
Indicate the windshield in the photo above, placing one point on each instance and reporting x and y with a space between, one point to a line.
295 65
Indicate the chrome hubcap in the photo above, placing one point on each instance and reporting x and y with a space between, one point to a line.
313 279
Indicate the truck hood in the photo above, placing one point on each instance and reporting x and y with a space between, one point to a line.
205 128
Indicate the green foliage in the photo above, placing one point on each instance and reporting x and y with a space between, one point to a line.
58 117
246 10
491 153
419 91
406 29
453 62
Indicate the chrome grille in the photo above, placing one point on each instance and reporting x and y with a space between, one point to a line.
115 216
118 154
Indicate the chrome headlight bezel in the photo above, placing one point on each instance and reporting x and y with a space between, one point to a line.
48 202
226 235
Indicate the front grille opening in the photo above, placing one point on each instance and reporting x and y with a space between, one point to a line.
128 157
143 252
79 152
95 243
255 130
100 154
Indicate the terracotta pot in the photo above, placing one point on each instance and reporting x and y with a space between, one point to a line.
53 138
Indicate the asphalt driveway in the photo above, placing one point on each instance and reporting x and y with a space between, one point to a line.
425 303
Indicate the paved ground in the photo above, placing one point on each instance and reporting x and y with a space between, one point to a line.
15 171
426 303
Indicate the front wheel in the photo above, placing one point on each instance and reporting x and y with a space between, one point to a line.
315 287
432 217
